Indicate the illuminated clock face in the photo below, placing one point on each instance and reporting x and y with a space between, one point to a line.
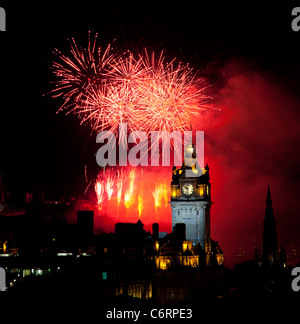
187 189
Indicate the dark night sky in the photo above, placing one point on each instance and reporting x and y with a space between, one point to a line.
248 51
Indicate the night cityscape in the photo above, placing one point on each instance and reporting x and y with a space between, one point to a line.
216 232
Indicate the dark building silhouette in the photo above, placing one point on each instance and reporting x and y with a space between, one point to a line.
155 231
270 242
267 274
85 226
271 254
85 220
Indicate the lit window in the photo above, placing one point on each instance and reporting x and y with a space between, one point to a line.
104 275
38 272
157 246
201 190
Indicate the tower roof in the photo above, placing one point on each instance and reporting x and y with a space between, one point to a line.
270 244
269 199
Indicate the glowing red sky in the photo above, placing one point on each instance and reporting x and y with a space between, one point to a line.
250 143
254 142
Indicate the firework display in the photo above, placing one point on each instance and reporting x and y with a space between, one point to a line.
105 88
78 73
119 192
142 90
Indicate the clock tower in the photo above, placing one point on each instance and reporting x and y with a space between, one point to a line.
190 199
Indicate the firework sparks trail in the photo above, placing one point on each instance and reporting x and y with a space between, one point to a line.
140 204
113 183
160 195
76 74
120 105
124 188
99 189
128 197
126 69
147 93
109 187
120 184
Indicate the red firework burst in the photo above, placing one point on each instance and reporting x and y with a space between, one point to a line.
145 92
76 74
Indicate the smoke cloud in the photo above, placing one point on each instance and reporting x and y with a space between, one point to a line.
253 141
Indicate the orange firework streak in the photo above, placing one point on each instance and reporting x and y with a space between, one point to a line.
99 189
128 197
140 205
109 187
125 188
120 183
160 195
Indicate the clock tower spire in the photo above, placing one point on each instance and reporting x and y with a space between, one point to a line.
191 200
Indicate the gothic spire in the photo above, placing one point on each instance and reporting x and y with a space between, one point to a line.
269 199
270 244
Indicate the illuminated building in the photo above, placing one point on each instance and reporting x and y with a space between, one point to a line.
191 204
187 259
